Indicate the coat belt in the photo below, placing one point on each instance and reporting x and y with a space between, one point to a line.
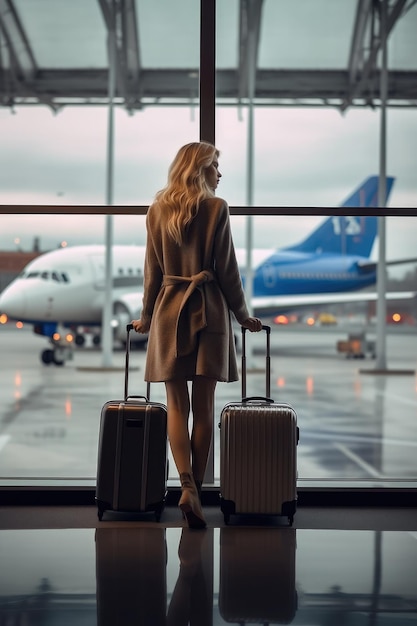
192 312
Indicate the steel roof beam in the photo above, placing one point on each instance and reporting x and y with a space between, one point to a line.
21 64
120 16
249 35
356 57
361 77
182 85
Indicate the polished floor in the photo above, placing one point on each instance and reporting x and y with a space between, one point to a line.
60 566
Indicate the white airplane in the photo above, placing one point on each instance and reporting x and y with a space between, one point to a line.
67 286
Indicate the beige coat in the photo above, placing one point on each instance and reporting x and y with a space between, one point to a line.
188 293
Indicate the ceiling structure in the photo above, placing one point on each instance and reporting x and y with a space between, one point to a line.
302 52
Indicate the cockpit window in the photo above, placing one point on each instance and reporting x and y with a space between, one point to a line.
59 277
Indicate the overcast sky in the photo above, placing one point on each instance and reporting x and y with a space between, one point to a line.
303 157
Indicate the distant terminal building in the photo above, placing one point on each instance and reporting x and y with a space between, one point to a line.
12 263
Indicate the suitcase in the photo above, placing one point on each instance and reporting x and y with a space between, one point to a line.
257 582
258 452
131 576
132 467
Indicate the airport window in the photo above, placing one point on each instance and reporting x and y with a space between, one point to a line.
357 427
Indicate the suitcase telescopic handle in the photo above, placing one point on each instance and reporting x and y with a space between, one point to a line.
267 330
129 327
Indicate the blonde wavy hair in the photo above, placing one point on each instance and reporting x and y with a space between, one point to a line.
186 187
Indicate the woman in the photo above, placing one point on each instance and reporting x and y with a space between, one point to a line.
191 284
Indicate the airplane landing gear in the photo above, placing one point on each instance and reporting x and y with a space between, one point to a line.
57 356
47 357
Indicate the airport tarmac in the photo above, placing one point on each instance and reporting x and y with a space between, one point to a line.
355 425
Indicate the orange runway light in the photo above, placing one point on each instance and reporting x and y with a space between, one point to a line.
310 385
281 319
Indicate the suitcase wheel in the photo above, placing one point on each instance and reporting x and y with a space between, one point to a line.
101 508
158 511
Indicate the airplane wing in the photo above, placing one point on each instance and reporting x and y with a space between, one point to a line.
372 265
274 304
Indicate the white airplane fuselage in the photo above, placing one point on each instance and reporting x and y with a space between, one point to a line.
68 285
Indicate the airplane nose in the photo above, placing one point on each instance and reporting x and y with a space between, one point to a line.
13 302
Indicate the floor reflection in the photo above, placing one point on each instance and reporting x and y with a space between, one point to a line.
135 575
131 575
191 601
257 575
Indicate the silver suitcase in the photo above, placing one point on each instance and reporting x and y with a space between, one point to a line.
258 452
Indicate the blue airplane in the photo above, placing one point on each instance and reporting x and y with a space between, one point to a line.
329 265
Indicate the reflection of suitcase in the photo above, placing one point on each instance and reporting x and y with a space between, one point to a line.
131 576
257 575
132 454
258 452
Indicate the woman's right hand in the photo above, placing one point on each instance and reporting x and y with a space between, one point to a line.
253 324
138 326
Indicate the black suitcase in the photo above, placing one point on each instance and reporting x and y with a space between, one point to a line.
258 452
132 467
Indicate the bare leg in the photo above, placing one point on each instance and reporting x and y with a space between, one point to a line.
178 408
202 401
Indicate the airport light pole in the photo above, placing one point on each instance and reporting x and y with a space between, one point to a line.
253 20
381 360
106 328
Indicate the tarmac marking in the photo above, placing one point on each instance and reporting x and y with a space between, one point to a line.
4 440
358 460
357 438
399 399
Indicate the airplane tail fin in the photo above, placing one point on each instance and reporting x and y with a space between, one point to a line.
344 234
366 195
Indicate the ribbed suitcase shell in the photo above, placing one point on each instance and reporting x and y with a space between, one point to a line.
258 455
